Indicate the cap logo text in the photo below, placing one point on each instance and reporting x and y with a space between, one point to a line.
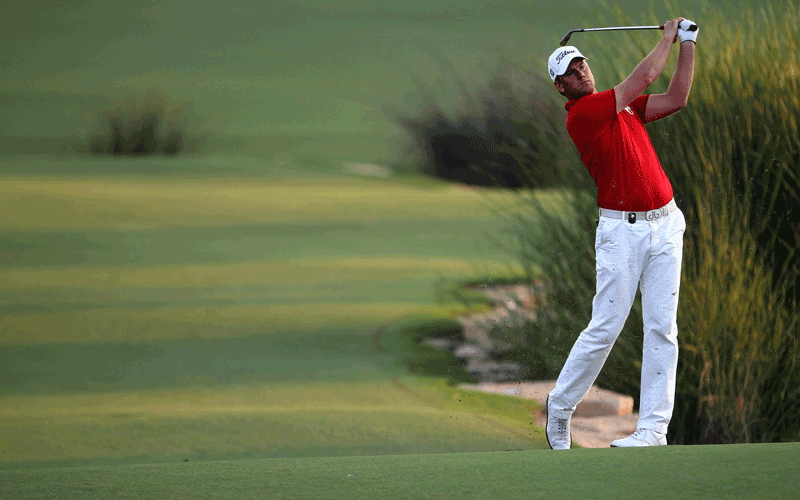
562 55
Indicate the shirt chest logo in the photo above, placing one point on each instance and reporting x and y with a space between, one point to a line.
629 110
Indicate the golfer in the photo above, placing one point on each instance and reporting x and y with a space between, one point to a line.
639 238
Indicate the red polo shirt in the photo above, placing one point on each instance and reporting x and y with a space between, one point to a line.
618 153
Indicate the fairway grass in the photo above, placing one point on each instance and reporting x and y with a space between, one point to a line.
383 415
151 317
150 202
137 258
722 471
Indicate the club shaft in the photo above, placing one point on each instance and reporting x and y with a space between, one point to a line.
625 28
618 28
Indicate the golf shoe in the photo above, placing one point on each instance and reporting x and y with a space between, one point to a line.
557 429
642 437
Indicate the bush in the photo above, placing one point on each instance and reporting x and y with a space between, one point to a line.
140 126
493 137
732 157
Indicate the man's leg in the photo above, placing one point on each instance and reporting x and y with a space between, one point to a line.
660 284
618 249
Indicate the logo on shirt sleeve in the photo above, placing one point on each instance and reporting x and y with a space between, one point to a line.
629 110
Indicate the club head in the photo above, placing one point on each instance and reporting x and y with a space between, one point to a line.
566 38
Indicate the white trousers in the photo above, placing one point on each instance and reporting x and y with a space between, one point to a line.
647 254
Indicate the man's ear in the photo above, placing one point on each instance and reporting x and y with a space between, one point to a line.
559 86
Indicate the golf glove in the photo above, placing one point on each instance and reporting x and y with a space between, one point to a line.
684 35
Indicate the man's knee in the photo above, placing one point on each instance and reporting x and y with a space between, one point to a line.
599 339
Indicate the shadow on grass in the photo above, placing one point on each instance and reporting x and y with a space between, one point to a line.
402 339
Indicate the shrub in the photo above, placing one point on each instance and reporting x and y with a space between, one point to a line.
140 126
732 156
494 135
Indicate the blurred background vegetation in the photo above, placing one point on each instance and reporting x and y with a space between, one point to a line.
141 125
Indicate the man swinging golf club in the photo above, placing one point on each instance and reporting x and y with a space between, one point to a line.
639 238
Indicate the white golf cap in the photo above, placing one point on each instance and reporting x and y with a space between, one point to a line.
559 60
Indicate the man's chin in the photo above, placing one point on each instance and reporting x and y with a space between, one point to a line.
583 91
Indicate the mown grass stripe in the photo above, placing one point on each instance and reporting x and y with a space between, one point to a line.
244 273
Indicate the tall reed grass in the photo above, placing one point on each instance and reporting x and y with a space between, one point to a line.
733 156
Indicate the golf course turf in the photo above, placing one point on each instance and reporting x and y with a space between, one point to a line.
153 318
732 471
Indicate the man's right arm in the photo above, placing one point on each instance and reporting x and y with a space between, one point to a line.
648 69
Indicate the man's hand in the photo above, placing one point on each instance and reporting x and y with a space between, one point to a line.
671 29
683 31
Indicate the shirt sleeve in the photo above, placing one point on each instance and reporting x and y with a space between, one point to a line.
639 105
592 113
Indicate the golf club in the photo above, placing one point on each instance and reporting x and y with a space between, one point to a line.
620 28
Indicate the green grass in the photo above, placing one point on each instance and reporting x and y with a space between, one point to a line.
736 471
151 258
133 291
374 415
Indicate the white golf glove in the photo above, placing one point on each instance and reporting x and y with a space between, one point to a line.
684 35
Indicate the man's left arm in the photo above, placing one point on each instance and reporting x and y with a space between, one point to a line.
661 105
